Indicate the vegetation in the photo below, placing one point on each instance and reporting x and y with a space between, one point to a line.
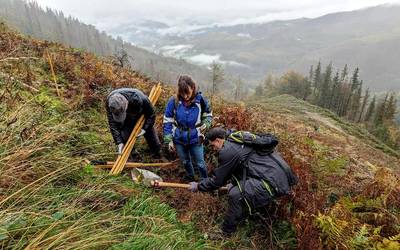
29 18
50 198
343 95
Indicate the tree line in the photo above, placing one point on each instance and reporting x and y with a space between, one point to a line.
342 92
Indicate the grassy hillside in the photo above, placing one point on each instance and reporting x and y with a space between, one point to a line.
30 19
49 198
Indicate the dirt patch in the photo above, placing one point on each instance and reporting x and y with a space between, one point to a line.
326 121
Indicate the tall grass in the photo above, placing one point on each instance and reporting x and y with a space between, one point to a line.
49 200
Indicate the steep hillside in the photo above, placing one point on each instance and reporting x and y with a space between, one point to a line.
48 199
347 196
51 25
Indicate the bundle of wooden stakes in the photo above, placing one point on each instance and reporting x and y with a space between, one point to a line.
123 158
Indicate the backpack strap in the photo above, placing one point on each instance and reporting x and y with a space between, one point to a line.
176 104
245 166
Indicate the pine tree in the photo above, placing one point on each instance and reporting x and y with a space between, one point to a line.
344 92
345 72
364 104
348 108
325 90
217 76
317 81
238 89
390 109
355 102
311 73
380 111
370 110
336 87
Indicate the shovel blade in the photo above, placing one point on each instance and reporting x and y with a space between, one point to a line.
144 176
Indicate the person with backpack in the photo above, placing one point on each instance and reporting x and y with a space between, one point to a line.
257 172
187 116
124 107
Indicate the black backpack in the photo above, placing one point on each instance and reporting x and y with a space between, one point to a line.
263 144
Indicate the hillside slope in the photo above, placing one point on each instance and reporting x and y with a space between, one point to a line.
347 196
54 26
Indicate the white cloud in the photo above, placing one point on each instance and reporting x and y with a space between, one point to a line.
175 50
246 35
204 60
183 13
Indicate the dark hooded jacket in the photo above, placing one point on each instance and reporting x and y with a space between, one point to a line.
138 104
232 159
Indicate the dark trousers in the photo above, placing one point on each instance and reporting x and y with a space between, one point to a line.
256 195
151 138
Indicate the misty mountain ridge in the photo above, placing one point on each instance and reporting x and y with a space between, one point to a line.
367 38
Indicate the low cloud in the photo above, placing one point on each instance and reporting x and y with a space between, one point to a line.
205 60
191 13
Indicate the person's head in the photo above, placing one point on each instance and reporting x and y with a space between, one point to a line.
216 138
186 88
118 105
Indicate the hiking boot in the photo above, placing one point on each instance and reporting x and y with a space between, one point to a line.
158 156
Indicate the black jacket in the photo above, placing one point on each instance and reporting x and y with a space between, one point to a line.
132 114
232 159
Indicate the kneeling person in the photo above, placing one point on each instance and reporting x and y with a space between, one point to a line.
124 107
257 177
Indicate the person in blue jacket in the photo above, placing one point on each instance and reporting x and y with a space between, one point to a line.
187 116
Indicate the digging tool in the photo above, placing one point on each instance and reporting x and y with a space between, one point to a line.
156 184
153 180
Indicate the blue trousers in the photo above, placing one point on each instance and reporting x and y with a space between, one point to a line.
192 155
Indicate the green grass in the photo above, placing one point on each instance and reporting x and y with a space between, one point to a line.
287 104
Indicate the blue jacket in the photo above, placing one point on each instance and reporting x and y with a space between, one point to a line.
182 124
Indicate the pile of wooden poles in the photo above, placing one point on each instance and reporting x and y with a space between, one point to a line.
110 164
123 158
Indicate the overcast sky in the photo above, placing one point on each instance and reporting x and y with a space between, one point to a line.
106 14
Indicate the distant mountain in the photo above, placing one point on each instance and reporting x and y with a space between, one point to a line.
367 38
51 25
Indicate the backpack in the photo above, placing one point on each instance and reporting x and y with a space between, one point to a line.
263 144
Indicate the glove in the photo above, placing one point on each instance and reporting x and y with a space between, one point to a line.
141 133
194 186
171 146
120 148
229 186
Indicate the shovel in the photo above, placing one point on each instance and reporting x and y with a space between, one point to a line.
151 179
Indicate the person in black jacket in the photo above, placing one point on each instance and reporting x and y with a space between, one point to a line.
124 107
251 187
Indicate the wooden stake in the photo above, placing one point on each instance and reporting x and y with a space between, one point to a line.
123 158
136 165
53 73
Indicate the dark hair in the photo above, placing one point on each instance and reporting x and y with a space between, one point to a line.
184 83
215 133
